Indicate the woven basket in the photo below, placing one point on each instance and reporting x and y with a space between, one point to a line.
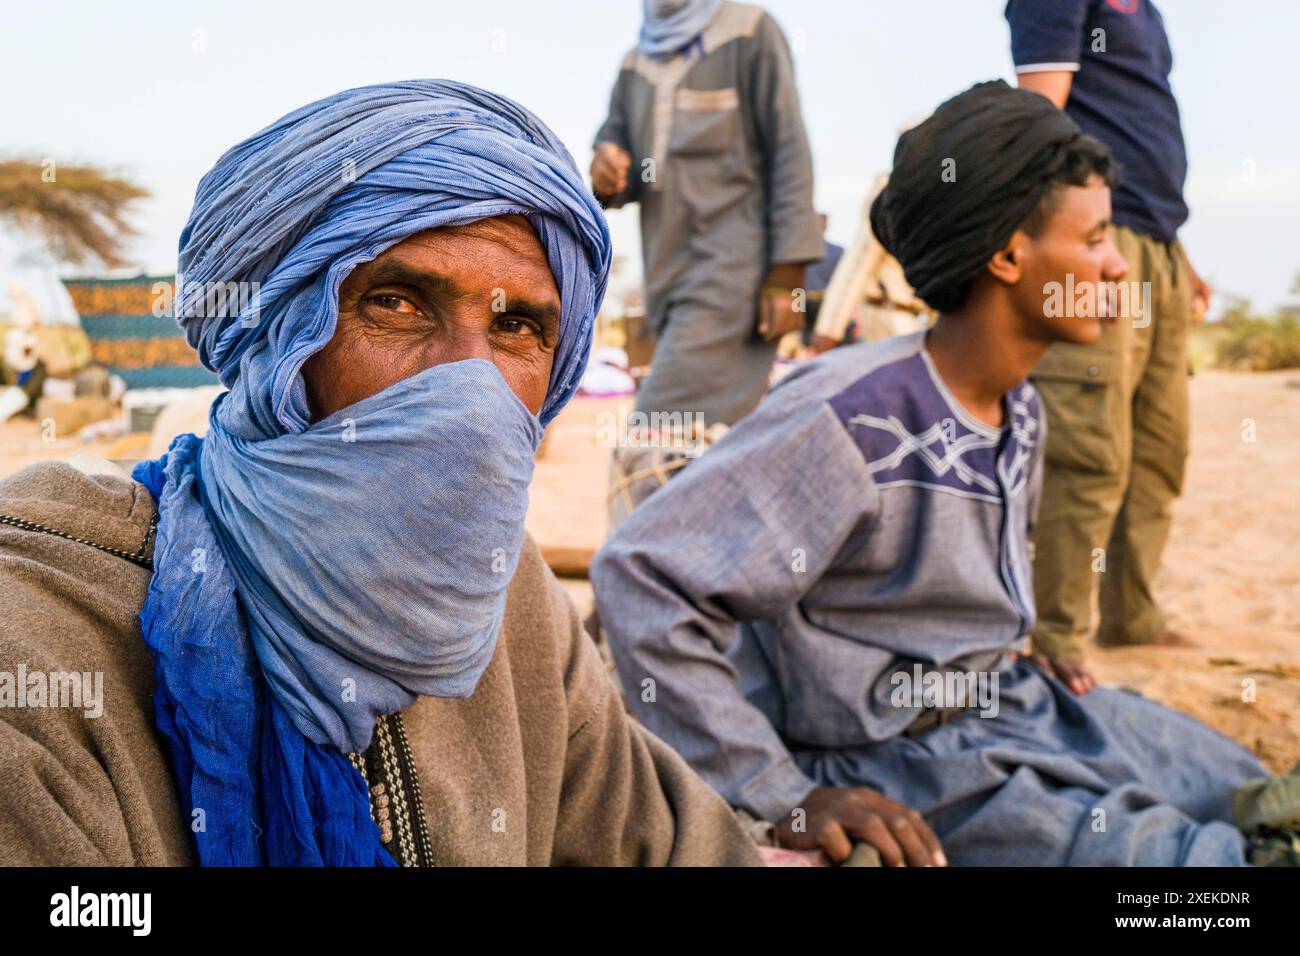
647 463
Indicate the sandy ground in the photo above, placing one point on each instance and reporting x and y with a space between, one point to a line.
1231 575
1230 581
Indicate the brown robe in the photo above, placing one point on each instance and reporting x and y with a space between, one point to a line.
540 766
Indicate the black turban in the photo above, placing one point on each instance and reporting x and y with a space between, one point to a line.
944 220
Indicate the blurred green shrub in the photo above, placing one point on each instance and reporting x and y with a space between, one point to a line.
1244 340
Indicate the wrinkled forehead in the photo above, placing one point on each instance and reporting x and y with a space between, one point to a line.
502 256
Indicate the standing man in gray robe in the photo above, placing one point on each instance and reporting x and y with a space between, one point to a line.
705 132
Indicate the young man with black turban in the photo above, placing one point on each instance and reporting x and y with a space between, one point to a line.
844 656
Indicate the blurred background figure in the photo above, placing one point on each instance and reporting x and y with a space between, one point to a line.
705 132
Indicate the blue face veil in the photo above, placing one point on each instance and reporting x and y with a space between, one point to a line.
669 25
311 576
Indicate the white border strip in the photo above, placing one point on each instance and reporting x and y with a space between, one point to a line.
1048 68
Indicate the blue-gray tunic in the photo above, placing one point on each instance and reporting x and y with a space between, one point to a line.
763 605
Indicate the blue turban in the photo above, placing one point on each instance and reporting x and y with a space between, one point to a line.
311 576
669 25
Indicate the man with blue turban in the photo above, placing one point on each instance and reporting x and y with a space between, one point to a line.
320 633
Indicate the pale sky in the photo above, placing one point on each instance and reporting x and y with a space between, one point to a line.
158 90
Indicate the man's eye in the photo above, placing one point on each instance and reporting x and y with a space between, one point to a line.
393 302
516 326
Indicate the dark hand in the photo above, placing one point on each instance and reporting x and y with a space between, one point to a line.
1201 293
777 311
833 817
823 343
609 167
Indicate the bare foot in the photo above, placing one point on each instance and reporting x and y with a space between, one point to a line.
1073 674
1173 639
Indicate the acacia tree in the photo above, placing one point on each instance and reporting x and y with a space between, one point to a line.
77 210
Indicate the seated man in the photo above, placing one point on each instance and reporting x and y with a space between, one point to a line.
826 613
330 641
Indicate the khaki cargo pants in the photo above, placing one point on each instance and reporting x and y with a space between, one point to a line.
1116 452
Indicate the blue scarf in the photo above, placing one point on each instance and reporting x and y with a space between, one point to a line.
668 26
312 576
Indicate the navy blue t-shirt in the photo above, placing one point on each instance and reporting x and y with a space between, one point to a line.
1120 94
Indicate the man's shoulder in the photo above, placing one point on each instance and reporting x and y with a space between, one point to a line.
70 595
89 499
806 410
541 677
536 628
736 21
865 373
888 398
532 587
78 749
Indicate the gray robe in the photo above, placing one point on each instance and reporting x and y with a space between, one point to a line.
762 607
723 173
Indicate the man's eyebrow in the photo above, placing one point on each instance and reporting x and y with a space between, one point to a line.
400 274
1103 224
541 311
434 282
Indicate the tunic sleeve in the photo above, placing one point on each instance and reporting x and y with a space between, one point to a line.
58 804
741 534
627 798
794 233
1046 35
56 813
616 130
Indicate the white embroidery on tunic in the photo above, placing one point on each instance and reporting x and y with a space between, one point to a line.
951 459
